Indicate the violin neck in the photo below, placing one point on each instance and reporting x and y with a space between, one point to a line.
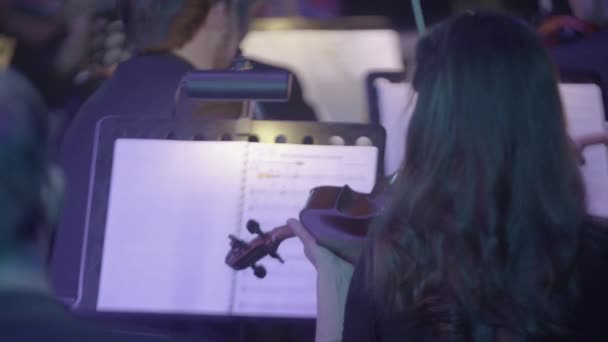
281 234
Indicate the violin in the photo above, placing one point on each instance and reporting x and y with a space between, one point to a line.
337 217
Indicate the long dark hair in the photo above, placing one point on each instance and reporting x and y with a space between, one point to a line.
482 232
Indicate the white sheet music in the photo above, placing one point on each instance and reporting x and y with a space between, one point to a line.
173 204
396 103
585 114
171 208
278 181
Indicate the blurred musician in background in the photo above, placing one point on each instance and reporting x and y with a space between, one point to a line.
30 194
535 11
52 44
593 11
582 19
579 43
172 37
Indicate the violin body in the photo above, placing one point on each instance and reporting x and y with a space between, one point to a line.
339 219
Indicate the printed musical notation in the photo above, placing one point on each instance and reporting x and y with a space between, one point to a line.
180 212
278 181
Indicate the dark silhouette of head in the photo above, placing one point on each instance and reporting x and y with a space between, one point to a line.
484 225
28 196
168 25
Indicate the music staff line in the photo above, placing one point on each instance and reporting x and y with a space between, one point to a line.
276 289
255 306
346 179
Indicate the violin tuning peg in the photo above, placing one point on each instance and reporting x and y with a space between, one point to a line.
236 242
253 227
259 271
277 256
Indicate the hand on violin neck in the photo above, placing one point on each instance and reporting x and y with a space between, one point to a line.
309 242
321 258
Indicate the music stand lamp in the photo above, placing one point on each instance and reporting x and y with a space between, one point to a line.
247 87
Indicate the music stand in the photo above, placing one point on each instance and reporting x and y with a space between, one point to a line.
247 87
112 128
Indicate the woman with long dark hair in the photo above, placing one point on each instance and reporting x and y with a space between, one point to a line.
485 236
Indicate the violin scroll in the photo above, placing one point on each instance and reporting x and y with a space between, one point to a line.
245 255
253 227
259 271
